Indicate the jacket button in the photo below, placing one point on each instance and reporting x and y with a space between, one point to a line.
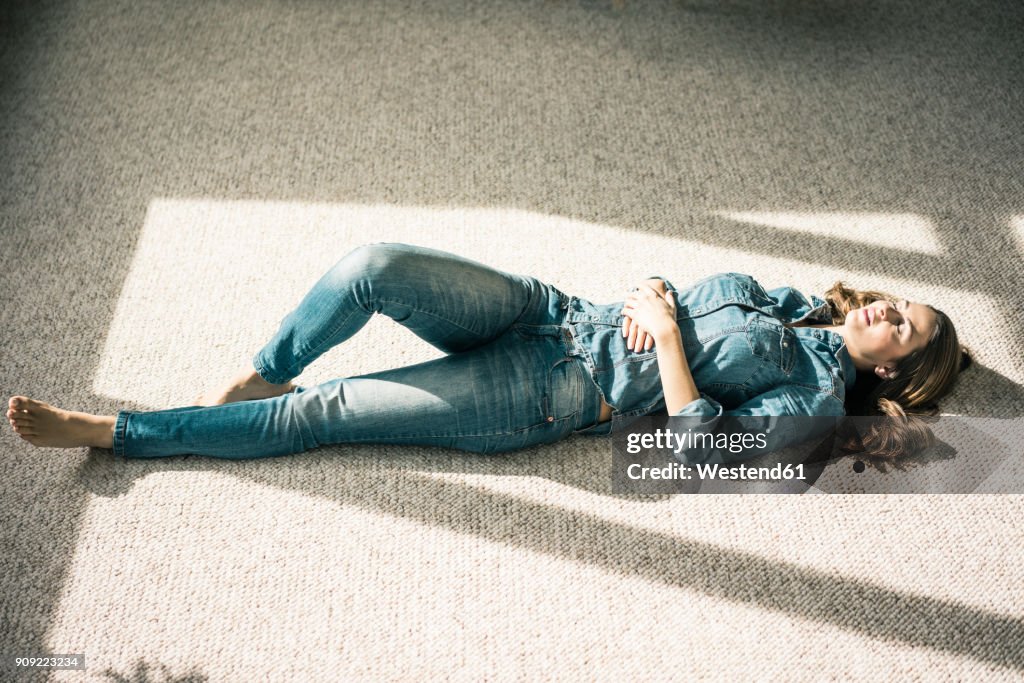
550 419
785 343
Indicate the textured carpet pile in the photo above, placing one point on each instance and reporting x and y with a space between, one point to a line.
176 176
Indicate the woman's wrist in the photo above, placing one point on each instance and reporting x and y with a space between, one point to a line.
667 333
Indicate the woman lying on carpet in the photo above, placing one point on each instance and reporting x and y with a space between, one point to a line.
527 364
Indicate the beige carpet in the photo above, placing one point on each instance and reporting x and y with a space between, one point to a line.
178 174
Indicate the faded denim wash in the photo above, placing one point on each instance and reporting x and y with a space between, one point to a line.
526 364
506 383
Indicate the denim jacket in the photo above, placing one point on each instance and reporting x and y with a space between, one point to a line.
744 356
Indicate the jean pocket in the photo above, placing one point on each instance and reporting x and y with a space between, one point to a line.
773 342
562 391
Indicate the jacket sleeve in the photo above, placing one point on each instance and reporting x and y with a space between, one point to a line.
668 285
784 416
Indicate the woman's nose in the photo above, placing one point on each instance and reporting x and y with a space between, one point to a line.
889 311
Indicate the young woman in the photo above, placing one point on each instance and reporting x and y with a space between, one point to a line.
527 364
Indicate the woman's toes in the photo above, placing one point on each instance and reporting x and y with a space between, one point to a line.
25 403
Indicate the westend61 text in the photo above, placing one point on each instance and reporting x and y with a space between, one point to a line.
706 472
677 441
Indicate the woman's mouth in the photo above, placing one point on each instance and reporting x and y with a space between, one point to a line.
867 316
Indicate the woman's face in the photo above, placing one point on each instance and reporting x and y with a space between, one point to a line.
882 333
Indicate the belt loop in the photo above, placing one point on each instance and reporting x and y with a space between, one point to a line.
572 346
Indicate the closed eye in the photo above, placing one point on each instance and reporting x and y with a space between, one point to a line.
896 305
903 314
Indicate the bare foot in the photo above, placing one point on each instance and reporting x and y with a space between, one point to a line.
43 425
245 386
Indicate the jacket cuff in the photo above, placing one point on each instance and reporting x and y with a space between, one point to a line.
668 285
705 406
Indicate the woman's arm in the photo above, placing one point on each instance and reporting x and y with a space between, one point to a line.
656 313
676 379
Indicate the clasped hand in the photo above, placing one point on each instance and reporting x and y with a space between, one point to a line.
649 311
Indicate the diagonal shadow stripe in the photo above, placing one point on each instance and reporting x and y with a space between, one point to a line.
732 575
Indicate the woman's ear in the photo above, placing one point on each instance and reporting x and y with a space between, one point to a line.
885 371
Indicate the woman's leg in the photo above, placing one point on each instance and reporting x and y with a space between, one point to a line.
510 393
454 303
451 302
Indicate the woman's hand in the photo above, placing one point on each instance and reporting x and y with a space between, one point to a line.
648 314
639 338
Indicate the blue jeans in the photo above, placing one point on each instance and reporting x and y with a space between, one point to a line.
507 381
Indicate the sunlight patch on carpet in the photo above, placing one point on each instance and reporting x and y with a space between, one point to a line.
904 231
211 280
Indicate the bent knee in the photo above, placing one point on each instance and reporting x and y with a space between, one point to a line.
377 260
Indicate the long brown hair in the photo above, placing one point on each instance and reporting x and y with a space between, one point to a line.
909 398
